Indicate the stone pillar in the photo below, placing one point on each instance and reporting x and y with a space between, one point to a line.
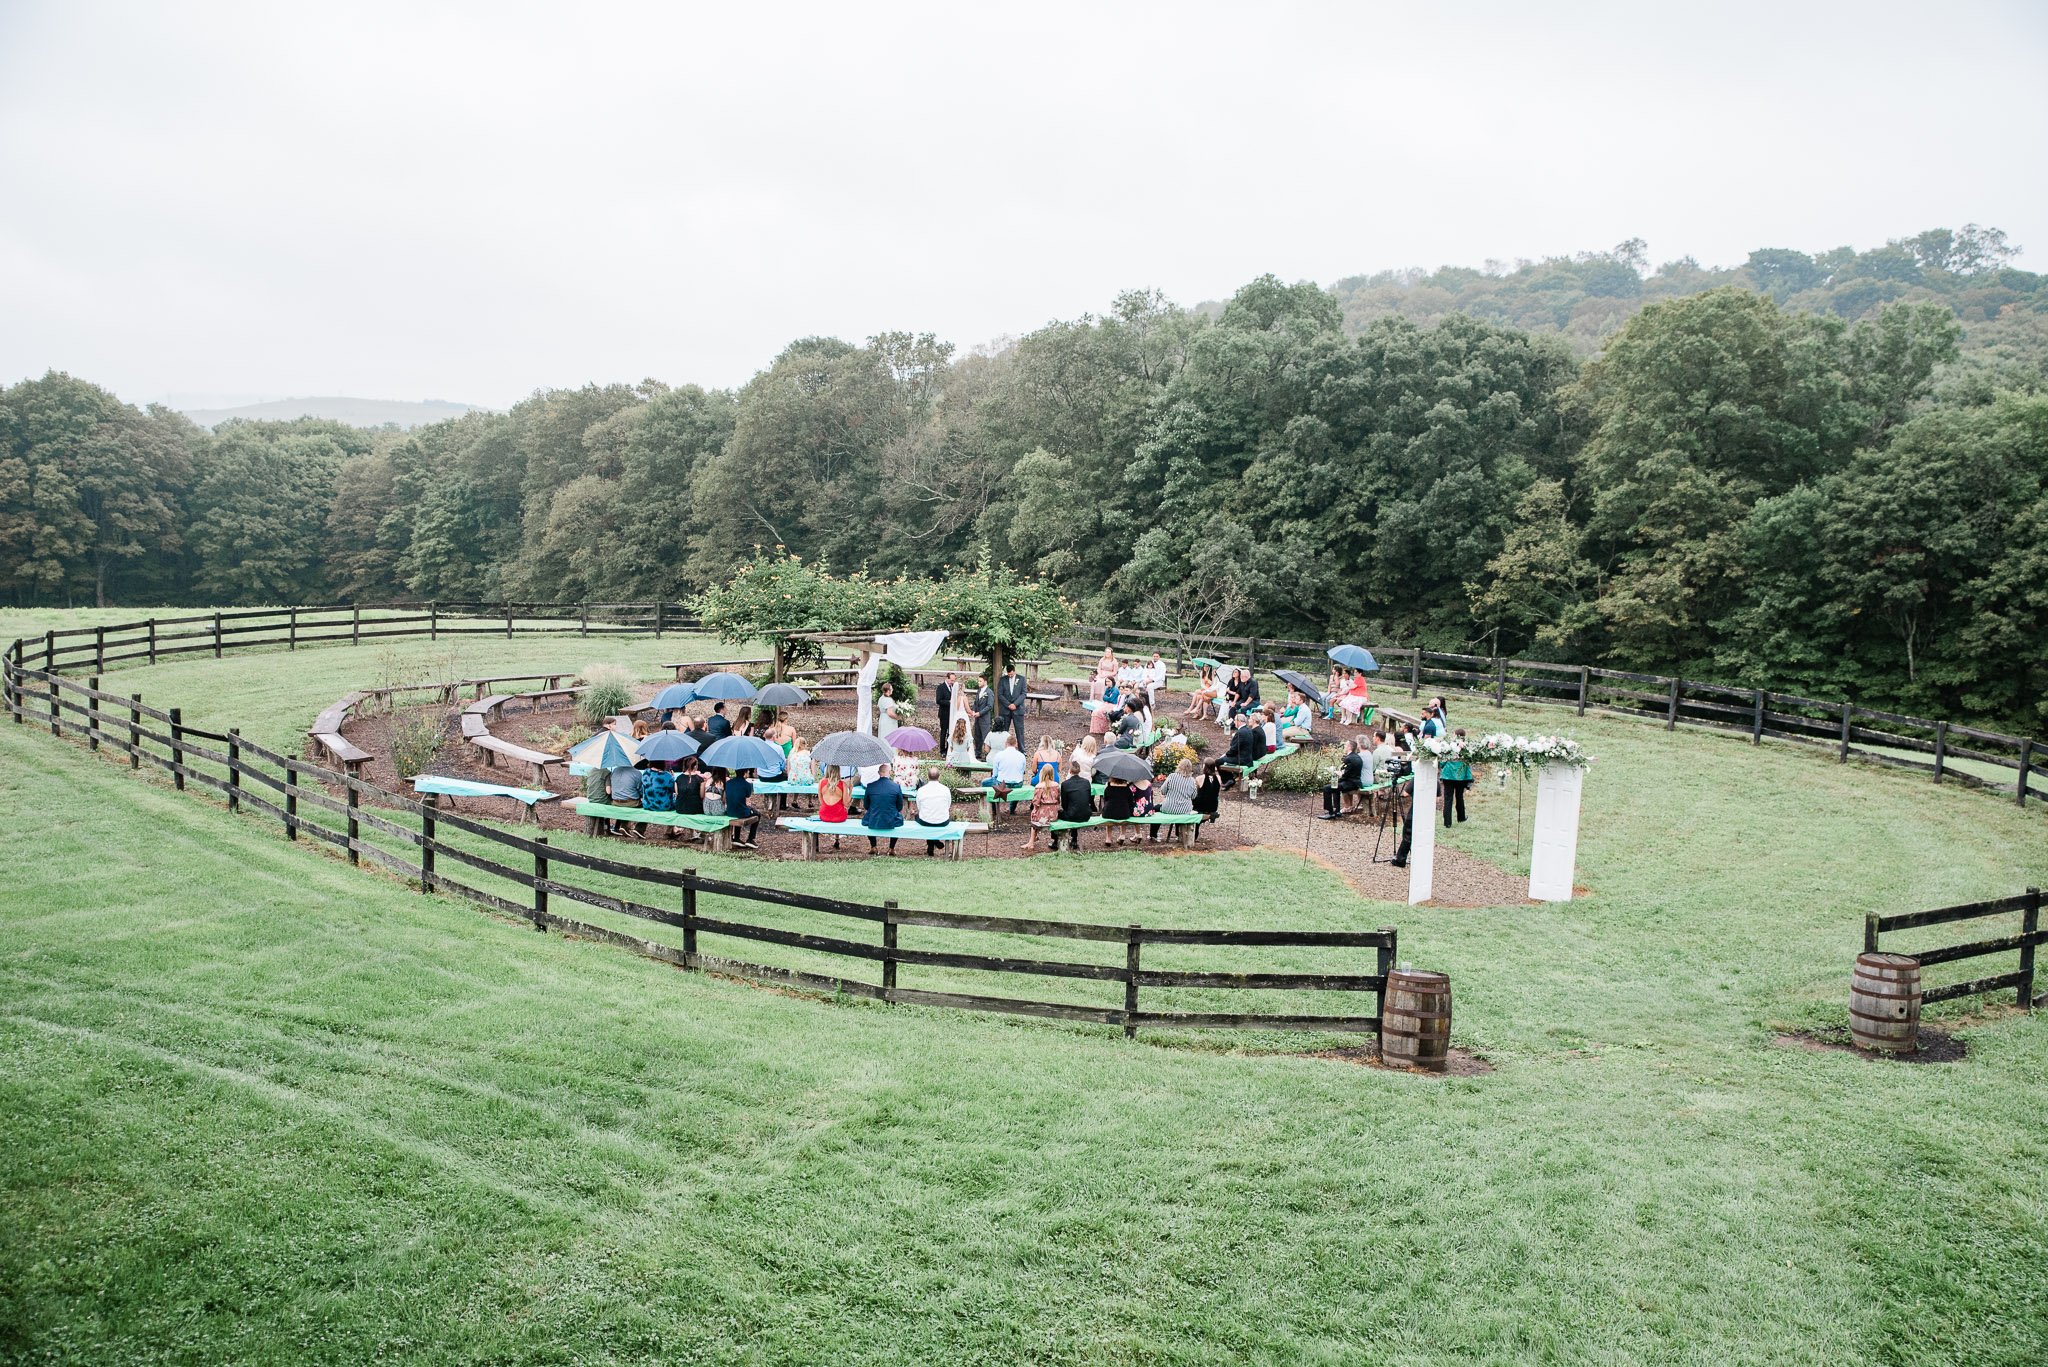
1554 845
1422 854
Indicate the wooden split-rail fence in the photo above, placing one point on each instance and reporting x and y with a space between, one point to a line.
2028 938
1931 745
1130 976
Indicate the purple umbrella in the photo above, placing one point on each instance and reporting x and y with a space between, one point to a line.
911 740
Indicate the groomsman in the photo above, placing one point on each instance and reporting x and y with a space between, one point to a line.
1010 704
984 714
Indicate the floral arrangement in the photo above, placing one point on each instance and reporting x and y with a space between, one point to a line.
1525 752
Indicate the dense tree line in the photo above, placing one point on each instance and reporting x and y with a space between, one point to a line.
1760 481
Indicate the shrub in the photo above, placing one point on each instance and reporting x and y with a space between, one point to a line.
416 738
608 691
1196 742
1167 756
1304 771
551 738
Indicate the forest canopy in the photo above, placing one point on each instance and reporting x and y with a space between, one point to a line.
1816 471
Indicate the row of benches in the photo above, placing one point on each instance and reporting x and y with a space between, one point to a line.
717 830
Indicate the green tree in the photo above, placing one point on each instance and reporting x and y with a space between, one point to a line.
259 508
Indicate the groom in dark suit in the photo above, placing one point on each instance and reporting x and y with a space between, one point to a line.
984 713
1010 704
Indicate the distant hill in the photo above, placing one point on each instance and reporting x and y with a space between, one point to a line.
355 412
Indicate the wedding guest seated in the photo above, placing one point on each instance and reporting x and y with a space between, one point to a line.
1045 806
1010 766
1355 698
1085 754
1077 803
746 822
1047 759
1119 803
1341 798
1294 720
933 806
1209 793
1204 694
625 792
884 807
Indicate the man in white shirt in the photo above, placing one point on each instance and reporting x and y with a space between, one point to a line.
1155 679
933 806
1009 767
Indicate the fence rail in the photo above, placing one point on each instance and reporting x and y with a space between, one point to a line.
2029 938
1931 745
527 877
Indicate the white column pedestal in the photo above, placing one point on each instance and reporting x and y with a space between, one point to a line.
1422 853
1554 847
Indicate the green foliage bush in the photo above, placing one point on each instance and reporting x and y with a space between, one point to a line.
416 739
1304 771
608 692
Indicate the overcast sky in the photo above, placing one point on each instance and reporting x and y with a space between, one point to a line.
466 202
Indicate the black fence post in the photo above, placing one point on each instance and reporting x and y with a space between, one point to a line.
433 621
152 640
134 730
583 619
540 884
99 651
1870 933
355 834
49 651
293 637
178 748
14 683
690 918
2026 763
235 770
889 951
660 617
92 715
1383 968
56 721
1671 709
1415 672
1940 748
216 636
2030 925
291 798
1131 983
1843 757
355 624
1756 722
1500 682
1585 681
508 621
427 843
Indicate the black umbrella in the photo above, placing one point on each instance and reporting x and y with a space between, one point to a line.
851 750
781 695
1301 685
1122 764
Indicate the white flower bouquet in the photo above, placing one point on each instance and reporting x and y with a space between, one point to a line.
1526 752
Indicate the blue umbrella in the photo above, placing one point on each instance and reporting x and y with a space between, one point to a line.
667 746
743 752
673 697
724 687
1353 657
612 754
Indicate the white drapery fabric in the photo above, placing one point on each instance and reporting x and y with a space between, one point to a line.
910 649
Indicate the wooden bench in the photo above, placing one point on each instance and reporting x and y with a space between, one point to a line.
348 756
710 666
954 834
553 682
492 747
474 728
716 830
1186 826
483 707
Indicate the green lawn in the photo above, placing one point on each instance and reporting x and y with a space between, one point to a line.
259 1107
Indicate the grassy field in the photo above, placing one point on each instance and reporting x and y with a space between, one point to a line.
259 1107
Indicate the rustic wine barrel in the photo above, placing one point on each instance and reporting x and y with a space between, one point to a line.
1884 1003
1415 1028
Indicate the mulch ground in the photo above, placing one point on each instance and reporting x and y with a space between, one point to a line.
1457 1062
1936 1046
1355 847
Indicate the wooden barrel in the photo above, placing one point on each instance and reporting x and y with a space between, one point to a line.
1415 1028
1884 1003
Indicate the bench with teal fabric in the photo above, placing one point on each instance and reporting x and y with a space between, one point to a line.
1186 825
1247 770
452 788
715 828
985 799
954 834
